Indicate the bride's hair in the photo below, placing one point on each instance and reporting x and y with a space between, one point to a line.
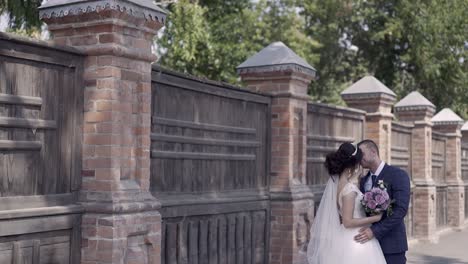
347 156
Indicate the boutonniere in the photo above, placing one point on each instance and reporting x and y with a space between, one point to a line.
382 185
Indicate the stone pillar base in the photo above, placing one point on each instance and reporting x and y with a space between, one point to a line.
292 216
425 213
121 233
456 206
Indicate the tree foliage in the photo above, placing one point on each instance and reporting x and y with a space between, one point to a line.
23 14
407 44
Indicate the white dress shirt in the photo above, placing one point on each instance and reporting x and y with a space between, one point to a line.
368 184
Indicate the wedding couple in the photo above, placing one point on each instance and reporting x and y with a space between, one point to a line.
342 232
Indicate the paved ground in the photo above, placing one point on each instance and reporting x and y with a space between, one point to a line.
452 248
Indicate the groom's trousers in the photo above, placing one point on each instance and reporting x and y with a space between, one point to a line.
399 258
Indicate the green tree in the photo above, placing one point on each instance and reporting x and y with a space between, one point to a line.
415 45
23 14
185 44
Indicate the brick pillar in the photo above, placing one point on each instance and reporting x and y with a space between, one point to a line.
446 121
291 199
121 223
372 96
417 110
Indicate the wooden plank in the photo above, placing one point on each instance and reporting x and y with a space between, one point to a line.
231 237
21 53
171 243
199 156
20 100
400 156
200 198
212 209
248 239
17 40
213 241
16 253
322 148
203 242
36 251
335 111
6 253
193 242
400 149
202 126
42 211
34 225
194 85
78 120
27 123
15 145
23 202
222 239
240 239
203 141
183 234
316 160
400 164
259 238
330 138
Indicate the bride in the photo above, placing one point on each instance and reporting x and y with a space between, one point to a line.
341 215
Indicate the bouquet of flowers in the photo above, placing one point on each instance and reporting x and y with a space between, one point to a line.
377 200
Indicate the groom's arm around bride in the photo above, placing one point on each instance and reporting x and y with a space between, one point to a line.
390 231
400 192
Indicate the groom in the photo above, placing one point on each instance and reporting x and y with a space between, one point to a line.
390 231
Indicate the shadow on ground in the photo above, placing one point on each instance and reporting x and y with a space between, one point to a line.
425 259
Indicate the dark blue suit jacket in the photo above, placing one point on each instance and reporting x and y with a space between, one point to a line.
391 231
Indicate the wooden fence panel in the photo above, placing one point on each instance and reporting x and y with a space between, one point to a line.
401 157
439 143
327 128
40 151
464 167
209 167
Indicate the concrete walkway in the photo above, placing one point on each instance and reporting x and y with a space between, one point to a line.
452 248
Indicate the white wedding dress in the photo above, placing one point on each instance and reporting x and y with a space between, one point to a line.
331 242
354 252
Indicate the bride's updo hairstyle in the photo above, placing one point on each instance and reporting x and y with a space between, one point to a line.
347 156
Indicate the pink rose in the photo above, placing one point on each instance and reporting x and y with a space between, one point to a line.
385 195
372 205
380 199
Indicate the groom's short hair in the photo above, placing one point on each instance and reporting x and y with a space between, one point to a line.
370 144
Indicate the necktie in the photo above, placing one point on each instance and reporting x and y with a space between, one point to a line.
374 177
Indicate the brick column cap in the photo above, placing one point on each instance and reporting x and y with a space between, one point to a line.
137 8
465 127
447 118
414 101
414 107
276 57
370 95
368 87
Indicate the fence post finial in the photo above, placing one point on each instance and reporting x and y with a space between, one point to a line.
372 96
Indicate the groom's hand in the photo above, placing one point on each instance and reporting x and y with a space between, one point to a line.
365 234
